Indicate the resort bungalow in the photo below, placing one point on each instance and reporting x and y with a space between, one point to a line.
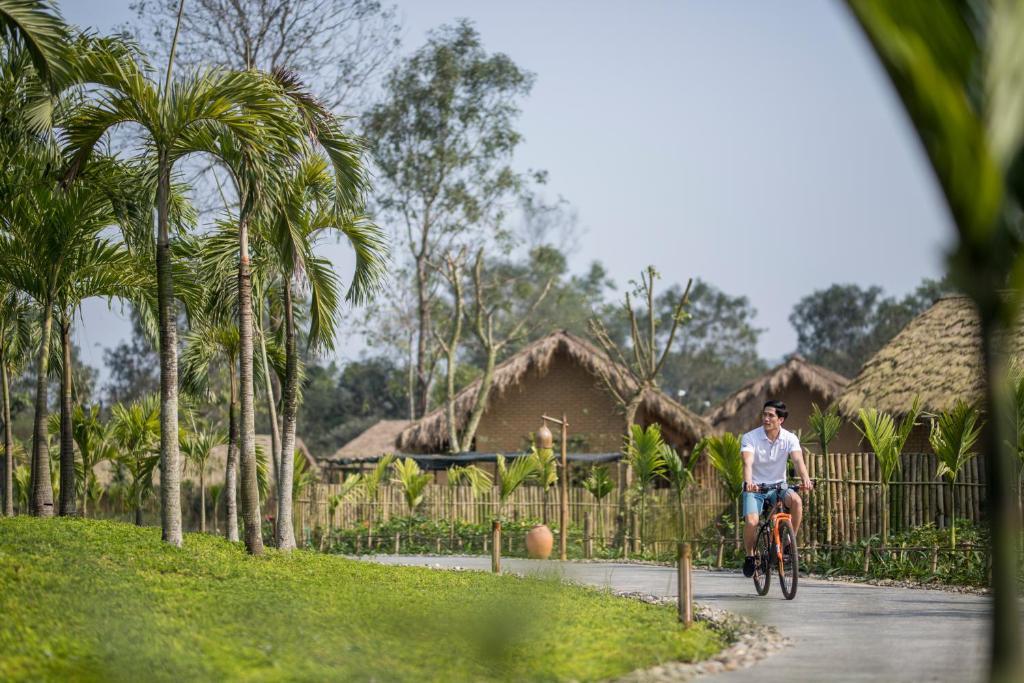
796 382
558 374
937 357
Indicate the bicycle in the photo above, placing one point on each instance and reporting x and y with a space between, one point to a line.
776 544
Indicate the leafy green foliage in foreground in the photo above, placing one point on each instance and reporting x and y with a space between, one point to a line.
89 600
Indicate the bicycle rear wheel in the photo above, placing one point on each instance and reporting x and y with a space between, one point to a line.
762 561
790 560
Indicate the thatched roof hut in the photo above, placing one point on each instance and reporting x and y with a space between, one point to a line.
375 441
797 382
937 356
430 433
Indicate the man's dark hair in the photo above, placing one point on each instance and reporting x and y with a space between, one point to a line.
780 408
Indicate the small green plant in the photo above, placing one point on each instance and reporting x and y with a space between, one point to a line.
723 451
512 476
953 436
136 427
599 484
825 426
198 447
645 453
372 480
679 473
887 441
412 480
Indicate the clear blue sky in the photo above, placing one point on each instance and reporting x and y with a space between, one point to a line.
755 145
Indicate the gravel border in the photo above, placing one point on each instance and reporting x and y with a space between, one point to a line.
749 642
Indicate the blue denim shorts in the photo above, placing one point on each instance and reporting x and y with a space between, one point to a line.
753 502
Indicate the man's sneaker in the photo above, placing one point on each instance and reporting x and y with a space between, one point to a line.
748 566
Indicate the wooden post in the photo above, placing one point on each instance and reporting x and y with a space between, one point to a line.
867 557
721 552
563 521
495 546
359 543
588 541
685 585
437 542
935 559
398 543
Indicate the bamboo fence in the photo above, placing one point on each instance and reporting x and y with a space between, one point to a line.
917 497
702 506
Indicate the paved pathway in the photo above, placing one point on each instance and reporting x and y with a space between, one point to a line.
841 631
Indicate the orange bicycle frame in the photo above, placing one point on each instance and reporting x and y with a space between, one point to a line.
777 516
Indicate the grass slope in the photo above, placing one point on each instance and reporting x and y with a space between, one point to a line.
87 600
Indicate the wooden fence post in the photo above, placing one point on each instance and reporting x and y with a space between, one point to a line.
496 546
867 557
398 543
685 585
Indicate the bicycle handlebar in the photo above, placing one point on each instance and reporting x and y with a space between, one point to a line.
765 488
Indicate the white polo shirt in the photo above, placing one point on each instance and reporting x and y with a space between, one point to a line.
770 457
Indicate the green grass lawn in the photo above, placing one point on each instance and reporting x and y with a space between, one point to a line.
87 600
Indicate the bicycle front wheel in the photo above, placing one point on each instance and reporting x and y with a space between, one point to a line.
790 565
762 561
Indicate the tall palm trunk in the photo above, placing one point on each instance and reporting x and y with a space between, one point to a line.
423 325
8 439
41 489
202 499
275 431
231 466
247 442
285 533
138 496
67 443
170 462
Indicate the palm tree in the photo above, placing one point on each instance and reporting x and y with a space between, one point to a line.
302 478
16 341
599 483
198 447
50 258
371 482
95 443
184 117
958 71
887 442
679 473
203 348
137 430
645 452
37 26
952 437
511 476
312 204
825 426
479 480
349 487
413 481
724 454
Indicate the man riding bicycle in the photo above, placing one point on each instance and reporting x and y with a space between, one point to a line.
766 451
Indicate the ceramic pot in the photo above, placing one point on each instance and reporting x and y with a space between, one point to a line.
538 542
